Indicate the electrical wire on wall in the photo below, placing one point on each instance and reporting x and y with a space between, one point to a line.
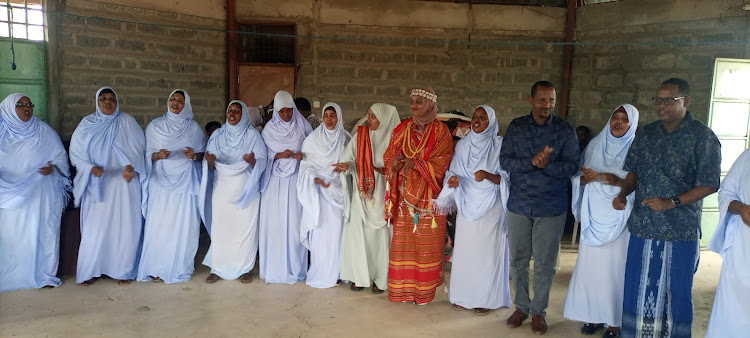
10 29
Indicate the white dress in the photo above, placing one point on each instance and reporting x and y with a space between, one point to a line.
234 230
479 273
111 229
283 258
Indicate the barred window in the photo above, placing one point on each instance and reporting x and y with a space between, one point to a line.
22 20
260 45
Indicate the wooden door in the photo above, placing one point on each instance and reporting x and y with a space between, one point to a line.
258 84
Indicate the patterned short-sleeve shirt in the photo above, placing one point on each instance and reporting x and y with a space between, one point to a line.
667 165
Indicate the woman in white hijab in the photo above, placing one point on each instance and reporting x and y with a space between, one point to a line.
108 149
174 149
596 289
319 192
366 237
34 188
283 258
478 187
230 195
731 240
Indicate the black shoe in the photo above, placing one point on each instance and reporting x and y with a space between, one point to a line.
589 329
376 290
610 334
356 288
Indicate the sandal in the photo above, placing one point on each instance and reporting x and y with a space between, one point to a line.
124 281
246 278
481 311
356 288
376 290
589 328
458 307
90 281
212 278
156 279
611 333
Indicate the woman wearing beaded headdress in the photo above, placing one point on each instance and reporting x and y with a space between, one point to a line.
417 158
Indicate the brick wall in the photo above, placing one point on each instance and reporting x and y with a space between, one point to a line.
142 62
605 76
358 73
378 51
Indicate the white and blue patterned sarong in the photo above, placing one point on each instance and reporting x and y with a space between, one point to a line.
658 288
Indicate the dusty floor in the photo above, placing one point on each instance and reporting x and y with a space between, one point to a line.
230 308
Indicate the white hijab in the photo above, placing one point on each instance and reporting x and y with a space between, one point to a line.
25 147
93 142
280 136
601 224
322 149
476 151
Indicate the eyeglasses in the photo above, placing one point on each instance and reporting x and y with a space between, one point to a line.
30 105
669 101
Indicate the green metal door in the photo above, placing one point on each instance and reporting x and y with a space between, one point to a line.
30 76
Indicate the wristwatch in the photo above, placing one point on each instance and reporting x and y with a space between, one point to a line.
676 201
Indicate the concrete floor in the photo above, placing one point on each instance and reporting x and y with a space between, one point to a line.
229 308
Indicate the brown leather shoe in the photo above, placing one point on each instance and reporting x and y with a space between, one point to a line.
538 325
516 319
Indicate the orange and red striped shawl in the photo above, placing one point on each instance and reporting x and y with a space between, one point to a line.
365 169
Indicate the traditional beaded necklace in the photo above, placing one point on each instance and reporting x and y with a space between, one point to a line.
408 148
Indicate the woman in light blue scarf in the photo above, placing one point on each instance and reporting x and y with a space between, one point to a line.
230 195
107 149
34 188
174 150
596 288
477 186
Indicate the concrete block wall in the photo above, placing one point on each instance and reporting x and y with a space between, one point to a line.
142 62
607 75
385 67
378 51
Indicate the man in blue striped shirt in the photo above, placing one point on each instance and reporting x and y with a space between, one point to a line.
541 153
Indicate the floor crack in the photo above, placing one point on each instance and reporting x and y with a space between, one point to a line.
299 316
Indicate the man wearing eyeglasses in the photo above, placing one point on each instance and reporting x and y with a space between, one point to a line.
672 165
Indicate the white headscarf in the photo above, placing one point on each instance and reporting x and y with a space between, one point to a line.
372 211
174 132
380 138
605 152
26 147
230 143
601 224
94 140
280 136
476 151
322 149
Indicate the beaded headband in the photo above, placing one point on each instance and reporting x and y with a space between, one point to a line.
423 93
